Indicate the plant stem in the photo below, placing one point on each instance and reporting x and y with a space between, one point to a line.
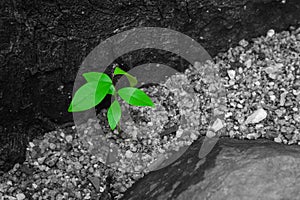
118 125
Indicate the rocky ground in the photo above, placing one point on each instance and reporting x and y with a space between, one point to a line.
43 43
259 86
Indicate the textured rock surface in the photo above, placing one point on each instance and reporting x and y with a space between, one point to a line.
43 43
234 170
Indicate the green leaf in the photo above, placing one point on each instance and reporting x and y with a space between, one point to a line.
132 80
96 77
111 90
88 96
114 114
118 71
99 77
135 97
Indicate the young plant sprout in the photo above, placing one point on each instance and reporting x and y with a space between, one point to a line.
98 86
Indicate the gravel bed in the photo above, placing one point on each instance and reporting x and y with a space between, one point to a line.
256 91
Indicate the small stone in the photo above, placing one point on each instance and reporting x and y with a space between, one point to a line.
259 126
62 134
35 186
59 197
248 63
138 168
101 189
278 140
193 136
128 154
77 165
296 117
231 134
228 114
257 116
42 167
31 144
239 105
282 98
51 161
41 160
252 136
279 112
179 133
231 82
243 43
272 97
69 138
270 33
97 126
52 193
20 196
91 170
273 70
217 125
231 74
52 146
210 134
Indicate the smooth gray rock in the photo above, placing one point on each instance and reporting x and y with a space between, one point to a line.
233 170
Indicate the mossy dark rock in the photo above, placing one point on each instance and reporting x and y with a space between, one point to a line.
234 169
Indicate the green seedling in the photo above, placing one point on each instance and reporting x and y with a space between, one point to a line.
99 85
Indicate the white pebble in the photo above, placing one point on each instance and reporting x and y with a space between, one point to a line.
101 189
252 136
248 63
62 134
31 144
210 134
270 33
259 126
278 139
282 98
243 43
34 185
20 196
231 74
217 125
193 136
257 116
228 114
272 97
231 82
69 138
128 154
179 133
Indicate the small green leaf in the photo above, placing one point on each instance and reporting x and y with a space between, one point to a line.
118 71
135 97
88 96
114 114
96 77
132 80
